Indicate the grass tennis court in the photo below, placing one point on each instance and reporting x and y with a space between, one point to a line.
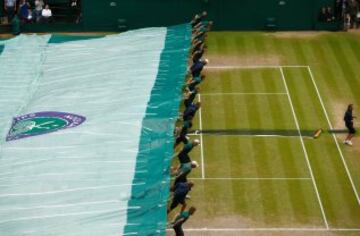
261 173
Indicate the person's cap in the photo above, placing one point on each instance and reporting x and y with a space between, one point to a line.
195 164
197 141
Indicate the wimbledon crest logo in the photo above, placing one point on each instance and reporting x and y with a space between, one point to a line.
42 123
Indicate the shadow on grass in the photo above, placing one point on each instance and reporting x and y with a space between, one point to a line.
265 132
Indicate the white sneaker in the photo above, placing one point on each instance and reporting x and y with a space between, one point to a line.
348 142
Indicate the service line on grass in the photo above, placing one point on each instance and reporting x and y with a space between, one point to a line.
304 148
201 142
333 135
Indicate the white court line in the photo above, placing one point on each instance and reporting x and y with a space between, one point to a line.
254 67
334 136
274 178
201 143
304 148
271 229
221 94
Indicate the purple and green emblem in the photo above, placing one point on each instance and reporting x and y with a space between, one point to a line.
42 123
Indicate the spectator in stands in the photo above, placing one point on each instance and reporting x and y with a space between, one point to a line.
24 8
180 191
190 111
75 10
39 4
73 3
184 154
353 11
322 15
339 10
180 219
46 14
358 17
10 9
329 15
30 16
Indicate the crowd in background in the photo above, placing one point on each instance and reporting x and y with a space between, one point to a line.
27 12
347 11
181 186
31 11
350 11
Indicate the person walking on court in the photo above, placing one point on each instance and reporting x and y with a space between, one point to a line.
191 110
195 81
190 96
197 67
348 118
183 132
184 170
180 191
184 154
180 219
198 18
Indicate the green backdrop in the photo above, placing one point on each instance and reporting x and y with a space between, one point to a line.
120 15
228 14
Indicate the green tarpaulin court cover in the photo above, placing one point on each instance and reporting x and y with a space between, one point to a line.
86 131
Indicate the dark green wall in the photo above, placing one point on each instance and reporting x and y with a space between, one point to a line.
113 15
227 14
1 7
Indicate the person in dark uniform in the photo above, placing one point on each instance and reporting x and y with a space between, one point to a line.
198 67
191 110
180 219
184 154
183 132
198 18
201 32
195 81
198 54
190 96
180 191
348 118
184 170
197 45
